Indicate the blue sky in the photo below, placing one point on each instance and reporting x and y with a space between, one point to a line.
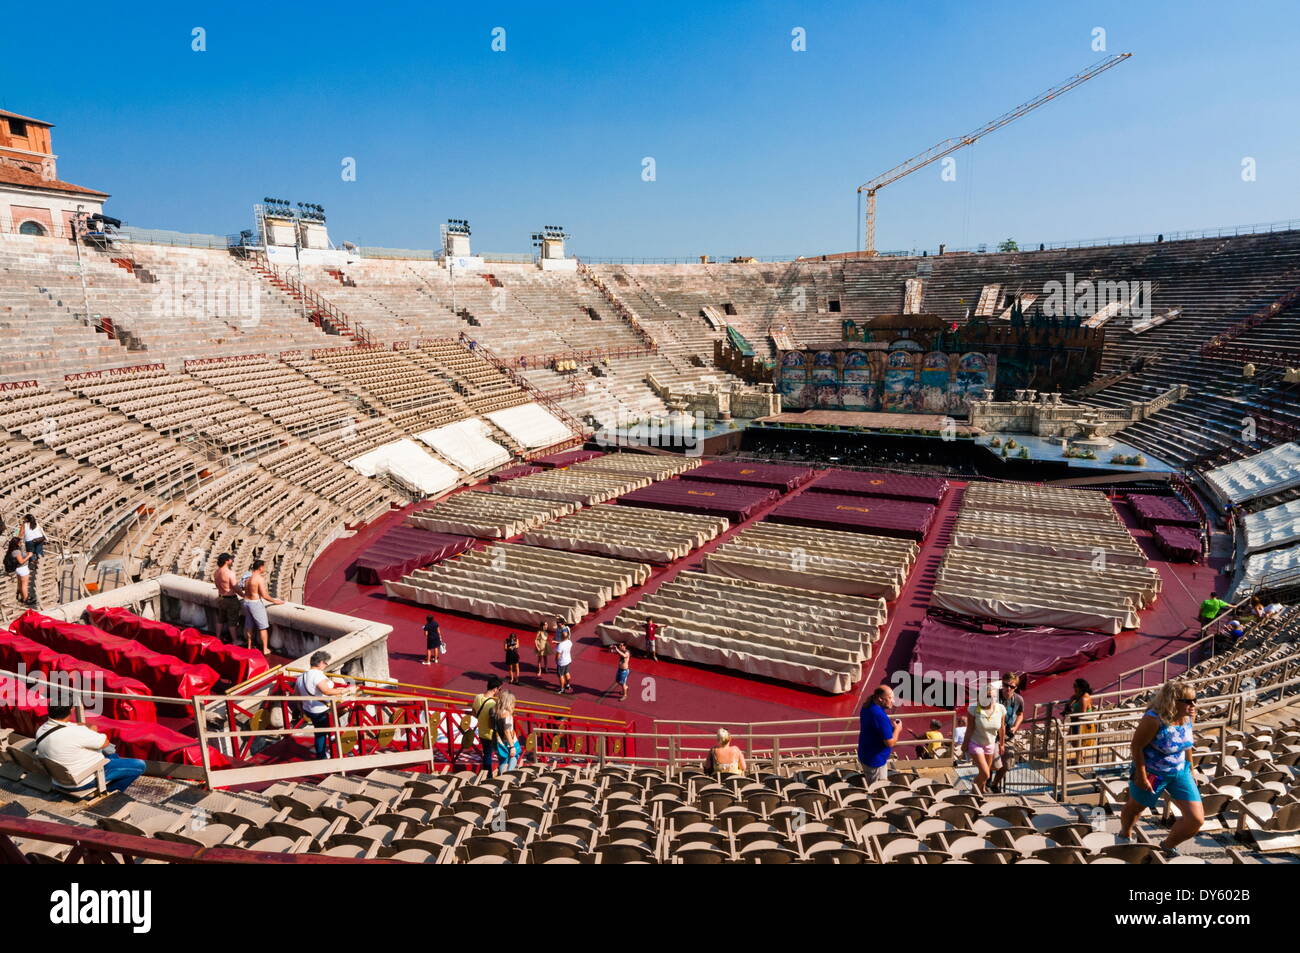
758 149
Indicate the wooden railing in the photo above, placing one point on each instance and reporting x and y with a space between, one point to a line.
317 303
93 846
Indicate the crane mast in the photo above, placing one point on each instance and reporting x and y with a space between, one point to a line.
949 146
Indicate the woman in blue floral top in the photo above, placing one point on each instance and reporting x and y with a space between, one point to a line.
1161 766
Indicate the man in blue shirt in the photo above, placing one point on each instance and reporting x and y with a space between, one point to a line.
877 735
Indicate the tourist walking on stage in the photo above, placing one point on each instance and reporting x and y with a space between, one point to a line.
563 659
1160 764
652 639
433 644
624 670
542 645
512 658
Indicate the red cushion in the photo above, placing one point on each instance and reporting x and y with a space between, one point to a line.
19 650
164 674
232 663
22 708
154 742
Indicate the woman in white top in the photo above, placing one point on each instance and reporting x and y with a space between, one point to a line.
986 733
33 537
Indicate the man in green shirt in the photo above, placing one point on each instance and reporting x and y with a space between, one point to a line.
1211 608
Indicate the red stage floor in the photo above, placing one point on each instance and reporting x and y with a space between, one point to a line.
687 692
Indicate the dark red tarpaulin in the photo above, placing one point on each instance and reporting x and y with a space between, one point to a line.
152 742
784 478
233 663
1179 543
1042 650
1161 511
903 519
22 706
163 674
402 550
889 486
16 650
514 473
733 501
567 458
25 708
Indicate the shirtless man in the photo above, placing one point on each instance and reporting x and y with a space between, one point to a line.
624 670
256 599
228 608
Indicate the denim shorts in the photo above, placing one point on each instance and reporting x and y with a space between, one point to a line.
1180 786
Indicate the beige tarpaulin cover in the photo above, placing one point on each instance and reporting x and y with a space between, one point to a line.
1044 556
658 536
653 466
488 515
1038 500
517 583
574 486
821 559
778 632
822 574
773 663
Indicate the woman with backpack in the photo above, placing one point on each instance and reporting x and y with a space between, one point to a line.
16 563
503 730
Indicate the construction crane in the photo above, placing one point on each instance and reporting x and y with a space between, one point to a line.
949 146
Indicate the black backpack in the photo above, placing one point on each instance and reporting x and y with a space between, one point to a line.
11 562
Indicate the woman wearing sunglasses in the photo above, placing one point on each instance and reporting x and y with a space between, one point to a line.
1160 765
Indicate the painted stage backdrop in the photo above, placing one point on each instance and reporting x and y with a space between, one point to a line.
922 364
902 379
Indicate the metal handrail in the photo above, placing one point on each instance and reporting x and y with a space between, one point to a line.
1217 623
